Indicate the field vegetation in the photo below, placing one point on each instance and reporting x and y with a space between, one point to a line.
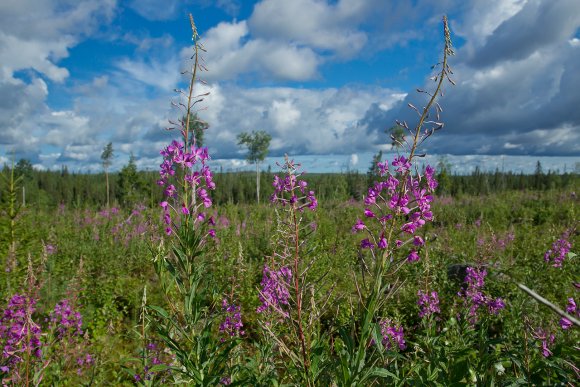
402 276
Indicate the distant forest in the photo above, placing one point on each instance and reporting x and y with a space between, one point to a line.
128 187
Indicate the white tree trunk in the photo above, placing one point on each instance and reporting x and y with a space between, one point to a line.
258 181
107 182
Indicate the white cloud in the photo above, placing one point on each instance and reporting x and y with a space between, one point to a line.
284 115
310 22
521 96
231 53
36 34
163 75
482 17
301 121
353 159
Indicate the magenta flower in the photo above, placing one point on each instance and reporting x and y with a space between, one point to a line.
546 338
232 325
418 241
413 256
474 296
274 293
558 252
358 226
369 213
382 242
392 335
565 323
366 244
19 334
572 310
402 164
428 303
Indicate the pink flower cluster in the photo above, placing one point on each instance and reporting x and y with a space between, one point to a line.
400 195
546 338
178 163
572 310
274 293
232 325
428 303
291 190
65 320
558 252
474 296
392 334
19 334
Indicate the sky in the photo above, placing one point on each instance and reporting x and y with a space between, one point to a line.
325 78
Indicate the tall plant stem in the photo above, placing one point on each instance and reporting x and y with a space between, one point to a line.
186 145
301 337
442 76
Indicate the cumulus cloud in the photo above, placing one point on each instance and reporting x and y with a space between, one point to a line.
516 94
155 10
232 53
321 25
515 40
34 36
301 121
163 75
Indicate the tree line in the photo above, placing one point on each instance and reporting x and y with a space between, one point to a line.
129 186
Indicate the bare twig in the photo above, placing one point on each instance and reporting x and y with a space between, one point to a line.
542 300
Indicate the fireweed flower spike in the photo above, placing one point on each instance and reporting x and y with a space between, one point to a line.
19 334
474 297
283 280
572 310
559 251
232 325
403 199
393 335
428 303
181 260
396 208
274 293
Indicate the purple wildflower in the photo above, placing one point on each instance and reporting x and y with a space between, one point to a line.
366 244
546 338
65 320
428 303
358 226
474 296
392 334
572 310
429 175
232 325
382 242
50 249
558 252
287 190
274 293
402 164
565 323
18 332
495 305
413 256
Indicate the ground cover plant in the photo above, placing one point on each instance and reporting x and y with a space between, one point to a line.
400 285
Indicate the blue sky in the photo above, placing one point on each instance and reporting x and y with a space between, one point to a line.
324 78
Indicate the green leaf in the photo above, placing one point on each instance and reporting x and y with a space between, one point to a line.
162 312
383 373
